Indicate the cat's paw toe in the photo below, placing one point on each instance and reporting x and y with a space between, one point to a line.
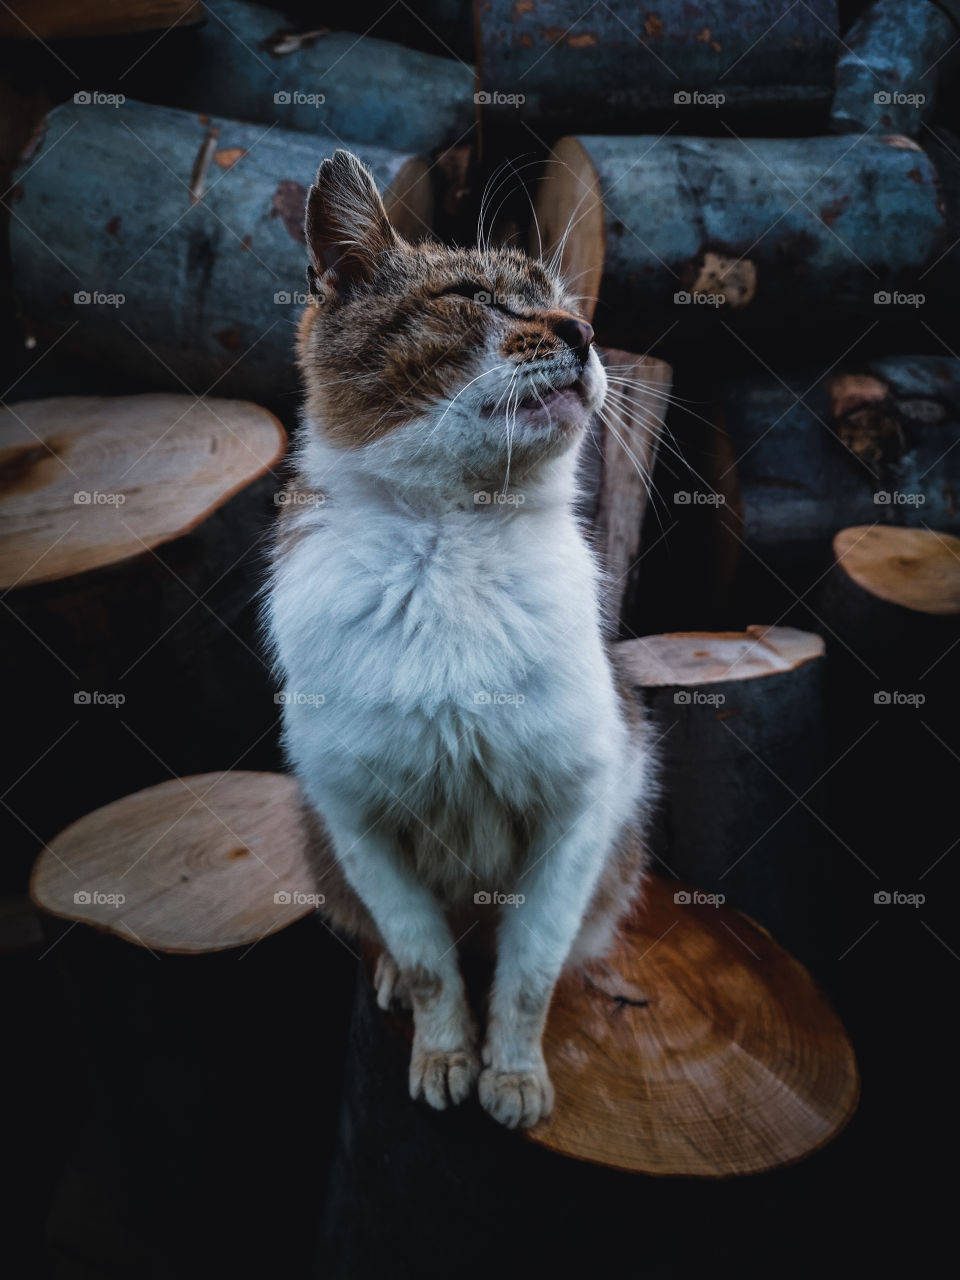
390 987
443 1077
515 1098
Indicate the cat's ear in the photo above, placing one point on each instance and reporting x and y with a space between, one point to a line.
346 225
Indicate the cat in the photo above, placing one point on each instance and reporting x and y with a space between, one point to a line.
454 713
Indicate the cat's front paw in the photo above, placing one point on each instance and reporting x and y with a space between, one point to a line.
515 1098
443 1077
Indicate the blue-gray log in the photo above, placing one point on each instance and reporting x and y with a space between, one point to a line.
654 227
172 244
870 443
247 63
602 66
894 55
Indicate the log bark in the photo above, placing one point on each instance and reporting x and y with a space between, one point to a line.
741 720
247 63
617 468
869 443
890 65
670 227
184 258
762 55
58 19
662 1063
133 540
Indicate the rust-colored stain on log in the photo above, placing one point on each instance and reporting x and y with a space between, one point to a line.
229 156
239 852
851 390
734 279
552 34
832 211
23 469
245 243
288 204
522 7
113 226
725 715
232 339
584 41
653 25
915 176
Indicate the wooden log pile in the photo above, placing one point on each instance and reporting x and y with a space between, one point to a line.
758 208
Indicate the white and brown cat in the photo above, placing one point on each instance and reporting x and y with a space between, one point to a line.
479 765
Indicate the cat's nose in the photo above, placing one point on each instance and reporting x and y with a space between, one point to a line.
576 333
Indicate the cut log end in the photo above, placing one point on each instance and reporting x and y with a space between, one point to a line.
409 200
917 569
708 657
702 1049
90 481
193 865
569 217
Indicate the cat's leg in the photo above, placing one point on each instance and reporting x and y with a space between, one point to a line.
534 941
444 1063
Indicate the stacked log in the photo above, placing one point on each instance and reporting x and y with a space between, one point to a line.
59 19
760 56
133 544
652 228
184 260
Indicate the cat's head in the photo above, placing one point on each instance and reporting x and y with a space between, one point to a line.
436 365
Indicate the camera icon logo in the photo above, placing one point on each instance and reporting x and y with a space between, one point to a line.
882 298
482 698
82 98
882 498
882 898
681 698
882 98
482 498
282 297
882 698
682 498
281 699
282 97
482 899
682 298
483 297
81 498
682 897
282 898
482 99
682 98
82 299
82 699
82 898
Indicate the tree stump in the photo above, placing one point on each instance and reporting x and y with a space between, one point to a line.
741 724
676 226
196 277
132 555
700 1048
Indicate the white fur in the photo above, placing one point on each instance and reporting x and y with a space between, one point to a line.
410 608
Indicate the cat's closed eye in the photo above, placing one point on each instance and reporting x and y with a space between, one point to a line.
479 293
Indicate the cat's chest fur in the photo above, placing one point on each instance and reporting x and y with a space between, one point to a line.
460 687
